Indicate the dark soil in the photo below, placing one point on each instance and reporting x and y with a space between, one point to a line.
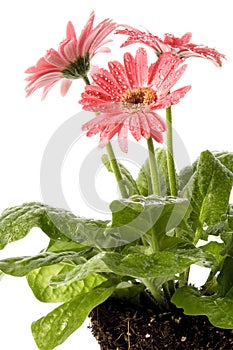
118 325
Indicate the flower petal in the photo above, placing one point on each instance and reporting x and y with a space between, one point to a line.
172 98
123 138
130 67
65 85
70 31
107 82
141 66
118 72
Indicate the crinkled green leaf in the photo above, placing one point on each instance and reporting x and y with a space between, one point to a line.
58 224
16 222
81 271
218 309
225 277
215 248
39 282
64 246
185 176
133 217
129 181
158 265
21 266
208 190
226 158
129 291
161 157
54 328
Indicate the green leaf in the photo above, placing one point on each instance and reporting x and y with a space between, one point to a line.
39 282
62 246
54 328
226 158
218 309
58 224
161 157
225 277
133 217
185 176
144 178
209 190
129 291
214 248
127 177
16 222
21 266
81 271
158 265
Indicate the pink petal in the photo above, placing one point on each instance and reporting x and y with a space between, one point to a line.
130 68
85 32
95 122
98 92
54 58
123 138
42 81
67 51
170 80
186 38
156 122
156 135
97 36
159 71
172 98
118 72
70 31
94 105
40 66
141 66
145 128
47 88
100 50
108 133
134 126
105 80
65 85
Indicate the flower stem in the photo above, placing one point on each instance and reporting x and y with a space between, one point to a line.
170 159
86 79
153 167
116 170
112 159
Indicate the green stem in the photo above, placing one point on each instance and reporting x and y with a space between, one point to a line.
170 159
154 291
86 79
153 167
169 290
112 159
184 277
116 170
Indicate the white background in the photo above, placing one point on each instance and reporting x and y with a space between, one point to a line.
203 119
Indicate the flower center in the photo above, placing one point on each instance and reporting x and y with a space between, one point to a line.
78 68
138 98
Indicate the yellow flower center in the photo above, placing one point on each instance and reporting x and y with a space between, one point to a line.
138 98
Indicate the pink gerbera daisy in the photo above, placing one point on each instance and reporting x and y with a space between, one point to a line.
72 60
127 96
170 43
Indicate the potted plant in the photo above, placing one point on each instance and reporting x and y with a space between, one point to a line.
130 274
